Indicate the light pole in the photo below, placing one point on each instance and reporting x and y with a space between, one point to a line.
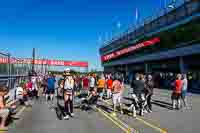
33 61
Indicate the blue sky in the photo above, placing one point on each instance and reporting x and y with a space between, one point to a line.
67 29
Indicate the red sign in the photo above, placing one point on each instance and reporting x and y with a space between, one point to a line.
44 62
121 52
3 60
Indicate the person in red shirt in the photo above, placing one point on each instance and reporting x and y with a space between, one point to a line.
176 95
85 84
29 88
109 84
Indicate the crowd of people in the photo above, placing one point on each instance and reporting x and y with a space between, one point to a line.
24 92
90 88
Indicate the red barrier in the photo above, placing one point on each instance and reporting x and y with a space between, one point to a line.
44 62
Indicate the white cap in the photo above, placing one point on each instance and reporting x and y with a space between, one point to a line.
67 69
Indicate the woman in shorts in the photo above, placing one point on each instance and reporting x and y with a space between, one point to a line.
176 94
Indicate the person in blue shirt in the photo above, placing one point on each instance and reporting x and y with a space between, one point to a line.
50 87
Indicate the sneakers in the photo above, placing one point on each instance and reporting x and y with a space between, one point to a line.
72 114
134 113
66 117
121 112
141 113
145 111
131 107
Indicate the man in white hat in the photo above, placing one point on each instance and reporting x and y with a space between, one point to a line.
68 93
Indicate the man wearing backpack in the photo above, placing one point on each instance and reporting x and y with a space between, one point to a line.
68 93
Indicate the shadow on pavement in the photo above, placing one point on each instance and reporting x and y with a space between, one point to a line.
11 119
103 107
59 111
128 98
162 104
110 110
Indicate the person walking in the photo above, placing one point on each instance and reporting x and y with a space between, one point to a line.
60 87
177 92
138 86
109 83
40 87
92 82
50 87
149 92
34 86
101 86
184 90
76 85
117 90
68 93
85 84
29 89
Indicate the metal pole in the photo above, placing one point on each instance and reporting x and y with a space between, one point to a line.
9 70
42 71
33 61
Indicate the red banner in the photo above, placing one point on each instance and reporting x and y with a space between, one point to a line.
44 62
121 52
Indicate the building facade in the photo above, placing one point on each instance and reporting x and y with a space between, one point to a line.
169 43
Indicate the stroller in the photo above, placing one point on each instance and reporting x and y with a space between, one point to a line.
139 103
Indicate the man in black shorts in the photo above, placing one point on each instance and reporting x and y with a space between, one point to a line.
50 87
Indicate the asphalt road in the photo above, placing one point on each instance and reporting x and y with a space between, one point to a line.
42 119
163 118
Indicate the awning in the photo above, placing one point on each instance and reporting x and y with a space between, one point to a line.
184 51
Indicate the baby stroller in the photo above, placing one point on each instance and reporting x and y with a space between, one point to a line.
139 103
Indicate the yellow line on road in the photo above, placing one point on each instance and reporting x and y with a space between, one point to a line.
121 122
130 129
151 125
146 123
117 124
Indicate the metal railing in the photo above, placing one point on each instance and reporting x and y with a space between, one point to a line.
165 17
11 74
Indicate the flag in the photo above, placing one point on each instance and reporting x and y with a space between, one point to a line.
136 15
